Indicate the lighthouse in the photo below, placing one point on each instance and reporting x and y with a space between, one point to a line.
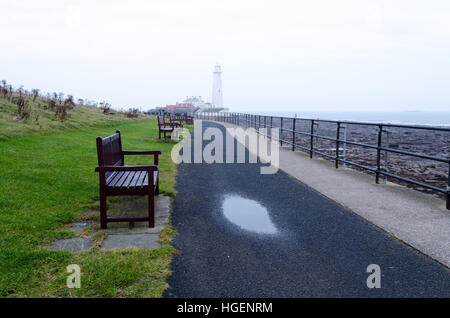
217 97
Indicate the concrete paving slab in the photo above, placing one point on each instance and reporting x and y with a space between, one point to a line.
138 206
416 218
73 244
142 240
79 227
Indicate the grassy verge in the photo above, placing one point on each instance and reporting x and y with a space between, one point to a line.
42 119
48 181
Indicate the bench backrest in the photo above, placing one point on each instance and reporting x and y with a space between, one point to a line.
175 117
161 121
109 150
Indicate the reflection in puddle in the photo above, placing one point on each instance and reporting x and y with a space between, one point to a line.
248 214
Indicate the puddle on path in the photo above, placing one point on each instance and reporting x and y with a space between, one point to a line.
248 214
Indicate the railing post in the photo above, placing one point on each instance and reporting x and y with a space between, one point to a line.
448 187
338 134
271 122
344 153
377 174
293 134
281 132
311 143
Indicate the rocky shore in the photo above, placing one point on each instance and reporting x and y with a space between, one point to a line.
427 142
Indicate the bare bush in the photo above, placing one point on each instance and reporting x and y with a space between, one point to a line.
61 112
132 113
35 93
51 104
106 109
23 110
68 103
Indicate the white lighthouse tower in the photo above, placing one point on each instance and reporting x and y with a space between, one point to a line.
217 97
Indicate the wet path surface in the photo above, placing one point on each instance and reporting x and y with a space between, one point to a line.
243 234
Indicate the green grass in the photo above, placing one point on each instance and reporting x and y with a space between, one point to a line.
47 181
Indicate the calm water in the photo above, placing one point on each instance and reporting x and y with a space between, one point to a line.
404 118
248 214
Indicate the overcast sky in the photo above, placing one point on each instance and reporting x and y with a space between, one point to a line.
321 55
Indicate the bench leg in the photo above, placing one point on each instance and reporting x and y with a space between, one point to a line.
151 206
102 210
157 186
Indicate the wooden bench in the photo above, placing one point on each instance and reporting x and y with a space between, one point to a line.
188 119
165 127
176 119
118 179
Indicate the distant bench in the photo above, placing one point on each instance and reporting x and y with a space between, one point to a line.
118 179
165 127
181 118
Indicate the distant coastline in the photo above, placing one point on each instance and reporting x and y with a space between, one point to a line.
440 119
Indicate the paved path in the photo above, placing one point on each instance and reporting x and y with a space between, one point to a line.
320 248
419 219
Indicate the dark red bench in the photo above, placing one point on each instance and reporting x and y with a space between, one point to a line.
165 127
118 179
176 119
188 119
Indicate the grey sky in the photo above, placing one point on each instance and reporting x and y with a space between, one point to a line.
322 55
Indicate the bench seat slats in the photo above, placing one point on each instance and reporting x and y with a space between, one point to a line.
110 176
115 179
140 180
129 178
135 179
122 179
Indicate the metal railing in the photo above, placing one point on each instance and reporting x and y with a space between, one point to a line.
289 134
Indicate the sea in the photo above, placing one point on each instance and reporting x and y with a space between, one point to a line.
439 119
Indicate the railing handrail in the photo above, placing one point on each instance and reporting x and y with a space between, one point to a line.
349 122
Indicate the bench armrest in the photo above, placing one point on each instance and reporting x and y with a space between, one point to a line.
126 168
141 152
155 154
